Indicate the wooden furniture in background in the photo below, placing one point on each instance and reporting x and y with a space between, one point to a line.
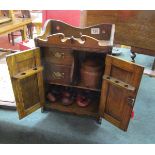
18 24
36 17
113 99
5 16
21 14
135 28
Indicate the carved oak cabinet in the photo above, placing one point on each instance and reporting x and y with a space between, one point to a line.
55 64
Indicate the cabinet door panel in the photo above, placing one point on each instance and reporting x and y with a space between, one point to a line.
119 89
27 81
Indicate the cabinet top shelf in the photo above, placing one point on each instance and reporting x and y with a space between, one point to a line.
59 34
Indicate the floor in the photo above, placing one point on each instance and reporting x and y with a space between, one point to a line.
6 93
56 127
4 43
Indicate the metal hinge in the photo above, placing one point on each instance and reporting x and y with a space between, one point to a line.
131 101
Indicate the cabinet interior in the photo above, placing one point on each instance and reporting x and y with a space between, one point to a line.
75 87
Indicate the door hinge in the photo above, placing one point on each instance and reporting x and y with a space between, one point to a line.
131 101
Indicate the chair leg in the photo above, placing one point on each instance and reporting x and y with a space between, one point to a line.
30 31
9 37
12 37
153 66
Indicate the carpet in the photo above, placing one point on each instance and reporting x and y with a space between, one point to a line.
4 43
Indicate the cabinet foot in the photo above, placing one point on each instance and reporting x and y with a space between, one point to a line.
42 110
99 120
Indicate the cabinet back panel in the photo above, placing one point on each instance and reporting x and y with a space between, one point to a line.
103 31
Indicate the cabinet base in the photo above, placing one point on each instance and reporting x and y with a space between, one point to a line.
90 111
99 120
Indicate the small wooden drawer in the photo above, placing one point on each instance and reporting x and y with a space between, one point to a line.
62 74
59 56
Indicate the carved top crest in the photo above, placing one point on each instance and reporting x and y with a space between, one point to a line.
59 34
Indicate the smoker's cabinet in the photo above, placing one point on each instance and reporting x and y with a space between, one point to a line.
30 70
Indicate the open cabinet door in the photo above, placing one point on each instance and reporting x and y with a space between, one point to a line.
27 81
121 81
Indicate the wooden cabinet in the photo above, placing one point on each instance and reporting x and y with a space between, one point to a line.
134 28
112 99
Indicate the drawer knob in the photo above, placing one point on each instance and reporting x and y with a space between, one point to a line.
59 55
58 75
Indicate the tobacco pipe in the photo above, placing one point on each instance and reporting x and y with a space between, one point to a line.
67 101
51 97
67 98
82 101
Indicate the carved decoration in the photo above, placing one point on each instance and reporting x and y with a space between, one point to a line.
81 40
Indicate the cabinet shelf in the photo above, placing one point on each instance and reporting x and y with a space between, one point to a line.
90 110
79 86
